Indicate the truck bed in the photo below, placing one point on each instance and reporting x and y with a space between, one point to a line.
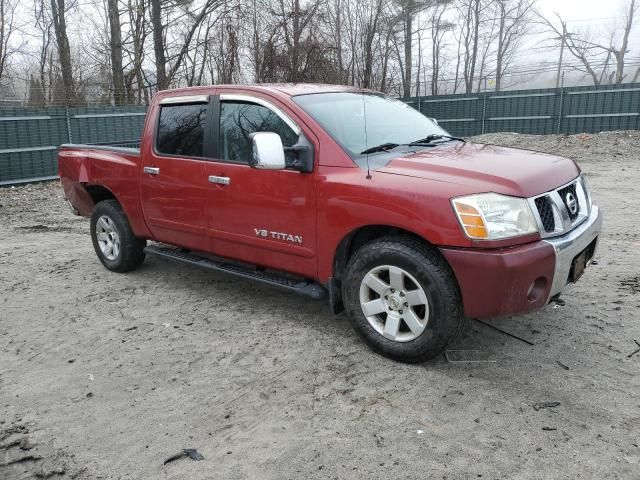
112 167
131 147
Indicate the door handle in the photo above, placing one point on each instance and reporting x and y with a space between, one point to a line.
151 170
219 180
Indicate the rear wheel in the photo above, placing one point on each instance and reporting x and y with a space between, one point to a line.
402 298
115 244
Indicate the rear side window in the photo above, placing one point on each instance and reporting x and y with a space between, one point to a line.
181 129
239 119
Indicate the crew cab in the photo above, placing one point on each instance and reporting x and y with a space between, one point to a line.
344 194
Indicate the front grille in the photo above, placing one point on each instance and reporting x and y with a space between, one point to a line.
562 209
543 204
569 197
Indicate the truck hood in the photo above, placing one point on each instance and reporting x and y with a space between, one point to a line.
486 168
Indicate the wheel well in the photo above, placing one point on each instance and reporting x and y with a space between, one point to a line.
356 239
99 193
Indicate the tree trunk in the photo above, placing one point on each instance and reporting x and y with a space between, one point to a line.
385 62
64 52
408 27
137 19
619 54
500 53
294 73
370 33
339 40
158 45
368 55
115 45
419 65
474 46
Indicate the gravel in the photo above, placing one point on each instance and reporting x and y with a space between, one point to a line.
108 375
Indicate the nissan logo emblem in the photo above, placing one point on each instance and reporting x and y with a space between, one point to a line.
572 203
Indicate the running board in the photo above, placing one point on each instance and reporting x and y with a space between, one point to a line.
302 287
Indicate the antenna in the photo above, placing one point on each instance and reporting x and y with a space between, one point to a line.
366 138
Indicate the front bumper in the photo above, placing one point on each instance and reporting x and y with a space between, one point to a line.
569 246
520 279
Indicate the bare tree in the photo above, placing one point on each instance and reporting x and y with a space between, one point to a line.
408 9
439 29
225 45
619 53
7 31
169 55
115 47
43 24
594 56
513 17
582 50
137 10
126 48
335 13
59 12
386 50
157 27
469 17
295 22
370 31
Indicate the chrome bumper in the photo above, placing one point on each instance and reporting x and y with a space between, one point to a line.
570 245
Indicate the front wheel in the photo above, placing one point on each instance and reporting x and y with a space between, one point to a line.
117 247
402 298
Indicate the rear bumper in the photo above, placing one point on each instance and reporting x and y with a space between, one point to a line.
510 281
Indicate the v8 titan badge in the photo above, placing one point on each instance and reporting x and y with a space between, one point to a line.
287 237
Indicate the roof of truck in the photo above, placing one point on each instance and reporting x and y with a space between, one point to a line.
290 89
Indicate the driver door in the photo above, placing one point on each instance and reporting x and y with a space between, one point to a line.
264 217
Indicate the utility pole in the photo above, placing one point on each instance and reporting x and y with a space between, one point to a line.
563 40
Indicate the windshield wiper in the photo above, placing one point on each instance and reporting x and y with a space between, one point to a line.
432 137
380 148
383 147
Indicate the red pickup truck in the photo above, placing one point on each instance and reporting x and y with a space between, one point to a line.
341 193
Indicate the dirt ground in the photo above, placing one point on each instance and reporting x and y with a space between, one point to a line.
104 376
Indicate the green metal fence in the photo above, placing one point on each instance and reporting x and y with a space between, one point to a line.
563 110
29 137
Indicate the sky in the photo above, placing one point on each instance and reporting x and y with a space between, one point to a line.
581 9
594 16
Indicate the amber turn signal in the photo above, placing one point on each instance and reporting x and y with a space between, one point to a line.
471 220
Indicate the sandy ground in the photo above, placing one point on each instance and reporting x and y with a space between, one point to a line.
104 376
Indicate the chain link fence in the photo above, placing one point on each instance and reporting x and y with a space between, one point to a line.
29 137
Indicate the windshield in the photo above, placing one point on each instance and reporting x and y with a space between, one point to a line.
342 115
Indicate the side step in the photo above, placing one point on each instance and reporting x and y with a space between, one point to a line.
303 287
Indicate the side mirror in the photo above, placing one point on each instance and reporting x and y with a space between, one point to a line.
268 152
434 120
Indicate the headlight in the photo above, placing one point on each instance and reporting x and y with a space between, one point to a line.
491 216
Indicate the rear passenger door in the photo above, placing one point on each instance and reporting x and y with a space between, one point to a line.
173 180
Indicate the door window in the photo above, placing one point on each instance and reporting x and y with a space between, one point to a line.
239 119
181 129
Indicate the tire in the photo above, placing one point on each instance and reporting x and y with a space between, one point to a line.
117 247
415 322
